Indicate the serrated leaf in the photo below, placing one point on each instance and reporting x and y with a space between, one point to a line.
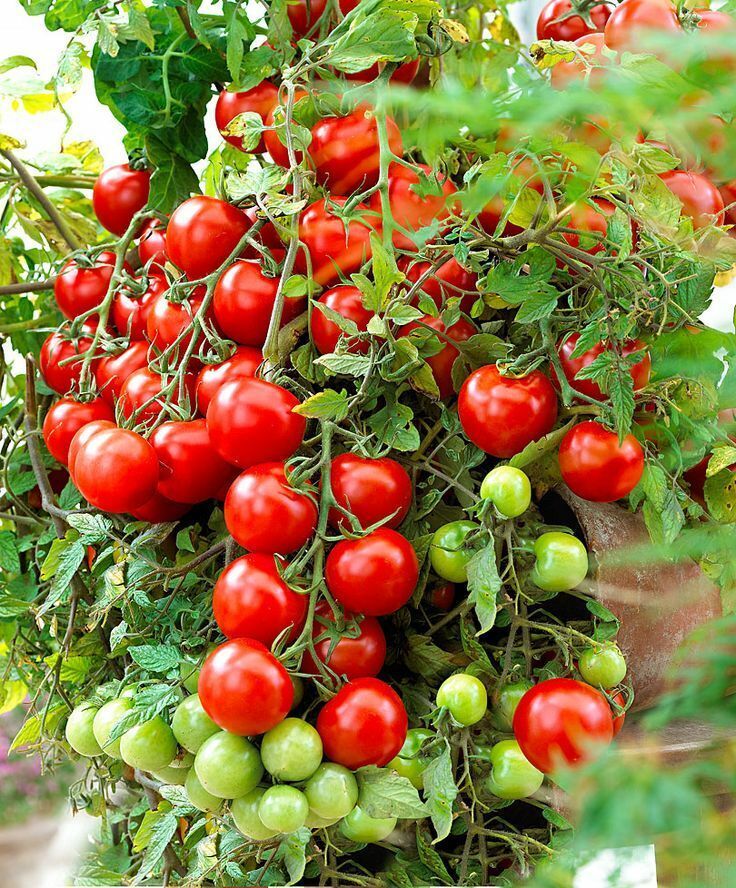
537 449
723 457
9 558
384 793
327 404
345 364
292 851
484 584
440 792
156 657
161 834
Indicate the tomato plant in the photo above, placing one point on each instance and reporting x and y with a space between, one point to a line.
596 466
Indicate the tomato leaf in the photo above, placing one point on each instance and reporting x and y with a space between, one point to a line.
484 584
440 792
384 793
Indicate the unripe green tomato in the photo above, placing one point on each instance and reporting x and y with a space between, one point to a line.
465 696
189 675
512 775
409 763
603 666
562 562
332 791
174 776
360 827
448 553
292 750
148 746
198 795
314 821
183 759
191 724
246 818
283 808
508 489
228 766
106 719
80 733
502 714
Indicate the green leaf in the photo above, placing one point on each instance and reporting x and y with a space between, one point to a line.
12 694
156 657
385 275
431 859
161 834
9 558
440 792
384 793
720 496
723 457
93 528
345 364
425 658
30 733
173 179
539 448
327 404
293 852
484 584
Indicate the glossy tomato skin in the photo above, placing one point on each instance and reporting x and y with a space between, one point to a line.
304 15
596 467
118 194
560 722
243 302
159 509
143 385
82 436
167 320
348 302
371 489
116 470
502 415
250 421
592 66
404 74
201 234
152 245
375 574
700 198
130 312
264 513
448 280
365 723
591 222
442 363
728 194
190 470
252 601
78 289
112 371
410 211
65 418
56 349
633 18
556 23
243 364
229 105
571 366
332 248
359 657
244 689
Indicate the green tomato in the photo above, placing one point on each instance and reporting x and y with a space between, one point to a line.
314 821
292 750
465 696
106 719
409 763
332 791
80 733
502 715
191 724
448 553
512 775
283 808
246 817
198 795
183 759
171 775
603 666
360 827
228 766
148 746
508 489
189 675
562 562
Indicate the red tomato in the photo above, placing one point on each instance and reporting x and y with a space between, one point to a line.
244 689
81 438
130 312
278 152
251 421
152 245
556 21
372 490
252 601
410 211
116 470
190 471
560 722
442 363
260 100
112 371
633 20
168 320
79 289
572 366
596 467
700 198
618 720
443 596
144 386
304 14
243 363
65 418
365 723
345 152
591 64
348 302
373 575
243 302
159 509
56 349
333 249
728 194
590 221
120 193
354 657
501 415
202 233
404 74
447 280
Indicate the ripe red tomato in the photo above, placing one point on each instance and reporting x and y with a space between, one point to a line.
629 23
372 490
144 386
116 470
596 467
82 436
348 302
65 418
190 470
159 509
332 247
359 657
130 311
591 64
243 363
700 198
501 415
404 74
556 22
590 221
252 601
112 371
260 99
373 575
55 351
304 14
152 245
572 366
168 320
560 722
728 194
448 280
443 596
345 151
202 233
278 152
119 193
365 723
243 302
251 421
78 289
410 211
244 689
442 363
